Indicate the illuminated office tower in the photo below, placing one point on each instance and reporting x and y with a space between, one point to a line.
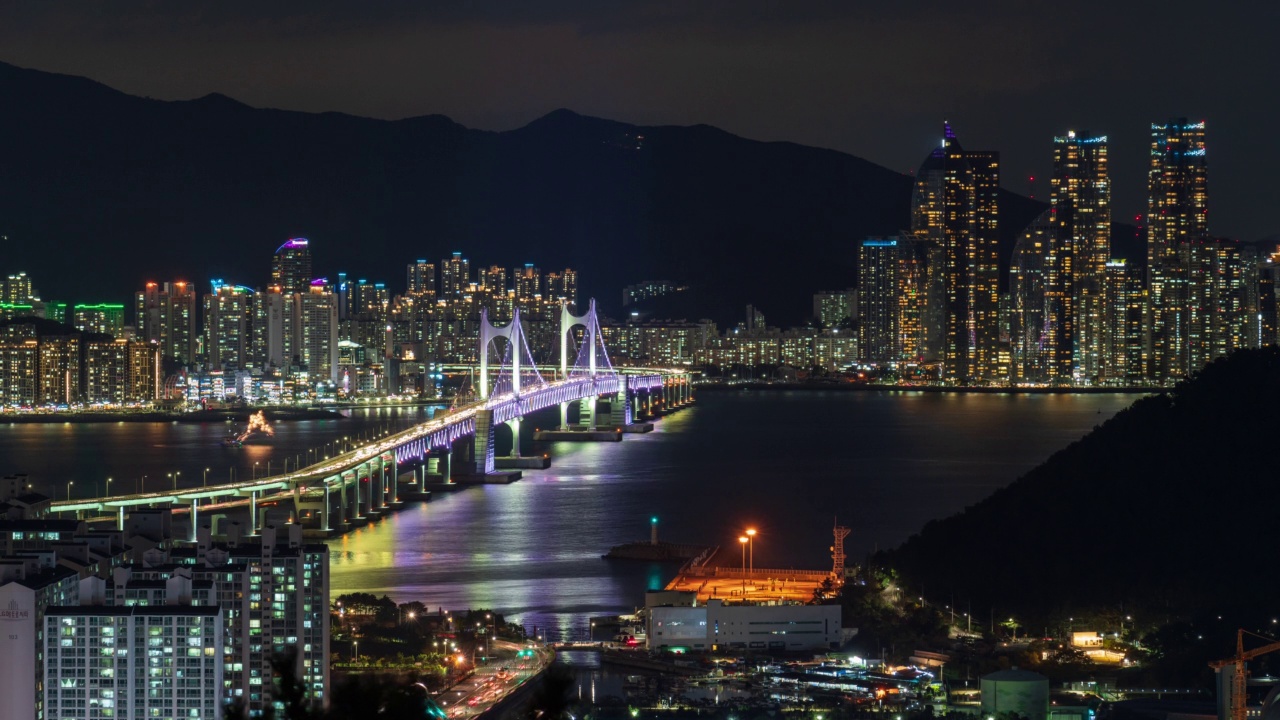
1080 246
316 328
1027 297
16 289
892 298
166 315
228 326
1124 308
291 266
455 276
105 318
1177 211
145 379
528 282
1215 311
955 204
422 279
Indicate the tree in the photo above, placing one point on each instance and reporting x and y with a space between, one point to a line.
550 699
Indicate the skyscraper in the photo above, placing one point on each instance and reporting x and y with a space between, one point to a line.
955 204
893 298
105 318
166 315
1080 246
316 325
1177 211
228 326
1123 356
1028 298
528 282
291 266
17 290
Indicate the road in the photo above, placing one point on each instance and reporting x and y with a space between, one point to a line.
493 682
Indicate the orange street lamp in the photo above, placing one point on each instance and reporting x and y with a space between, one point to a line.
751 552
742 540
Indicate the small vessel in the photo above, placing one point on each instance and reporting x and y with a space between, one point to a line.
257 424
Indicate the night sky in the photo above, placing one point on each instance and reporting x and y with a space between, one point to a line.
871 79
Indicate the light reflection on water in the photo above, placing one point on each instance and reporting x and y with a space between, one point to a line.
787 463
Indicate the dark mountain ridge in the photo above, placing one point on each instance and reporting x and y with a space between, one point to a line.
1170 504
101 191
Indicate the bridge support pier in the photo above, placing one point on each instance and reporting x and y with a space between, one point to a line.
324 511
564 416
342 501
441 465
482 444
253 512
194 517
120 518
620 409
587 412
514 424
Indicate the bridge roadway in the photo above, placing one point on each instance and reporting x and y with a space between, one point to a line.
375 463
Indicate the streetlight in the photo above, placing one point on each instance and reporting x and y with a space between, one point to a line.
357 649
175 479
108 487
751 535
205 481
69 484
743 540
255 470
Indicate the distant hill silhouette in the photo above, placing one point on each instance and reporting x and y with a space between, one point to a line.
100 191
1170 504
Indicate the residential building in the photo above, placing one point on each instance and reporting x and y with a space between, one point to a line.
291 266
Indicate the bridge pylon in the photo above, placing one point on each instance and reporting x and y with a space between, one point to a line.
514 334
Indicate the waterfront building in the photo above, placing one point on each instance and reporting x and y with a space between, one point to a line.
455 276
133 662
1177 212
228 326
838 308
166 315
276 326
422 280
894 298
316 327
1124 307
60 368
1079 248
955 203
291 266
1216 311
104 318
1027 299
661 343
106 371
744 627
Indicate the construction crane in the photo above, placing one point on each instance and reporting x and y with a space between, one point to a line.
1241 675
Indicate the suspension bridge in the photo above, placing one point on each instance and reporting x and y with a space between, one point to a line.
338 492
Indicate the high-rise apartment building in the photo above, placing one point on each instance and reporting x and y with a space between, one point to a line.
166 315
956 204
422 279
494 280
17 289
1177 212
1216 310
291 266
59 370
1080 246
105 318
1124 307
228 327
455 276
108 662
1027 302
19 371
893 298
277 335
316 333
528 282
563 286
836 308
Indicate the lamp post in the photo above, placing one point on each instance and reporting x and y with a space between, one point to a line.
751 551
108 493
69 484
743 540
204 482
356 643
255 470
175 479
